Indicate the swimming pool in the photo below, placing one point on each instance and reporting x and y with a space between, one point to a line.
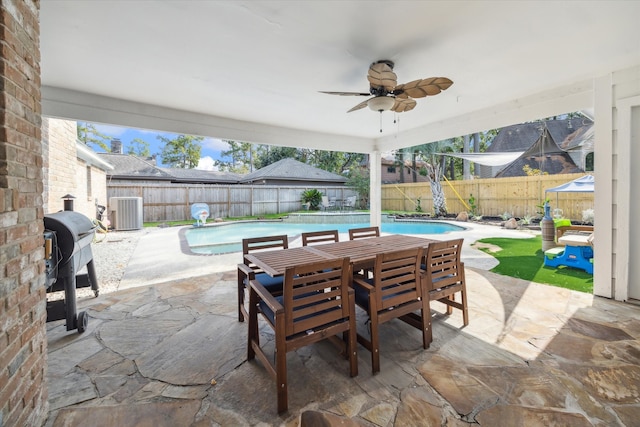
227 238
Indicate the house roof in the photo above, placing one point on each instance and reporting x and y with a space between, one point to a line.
544 155
203 176
126 166
292 170
581 139
522 136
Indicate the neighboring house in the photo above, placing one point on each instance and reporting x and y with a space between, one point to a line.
543 155
572 135
293 172
392 172
71 168
129 168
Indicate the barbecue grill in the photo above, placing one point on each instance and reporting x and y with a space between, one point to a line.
68 236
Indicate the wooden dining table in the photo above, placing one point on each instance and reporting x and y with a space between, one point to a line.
362 252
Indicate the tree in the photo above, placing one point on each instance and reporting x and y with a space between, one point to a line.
88 134
242 157
181 152
139 147
272 154
331 161
359 180
434 170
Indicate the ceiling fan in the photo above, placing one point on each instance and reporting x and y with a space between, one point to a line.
389 95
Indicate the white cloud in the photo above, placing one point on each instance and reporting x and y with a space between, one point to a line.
207 163
114 131
215 144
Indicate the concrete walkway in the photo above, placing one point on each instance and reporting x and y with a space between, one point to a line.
169 351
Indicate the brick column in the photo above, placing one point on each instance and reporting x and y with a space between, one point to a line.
23 343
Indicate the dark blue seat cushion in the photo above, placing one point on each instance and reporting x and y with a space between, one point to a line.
362 295
271 315
272 284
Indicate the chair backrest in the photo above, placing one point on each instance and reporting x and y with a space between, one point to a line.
397 277
325 201
316 295
363 233
256 244
442 263
350 202
328 236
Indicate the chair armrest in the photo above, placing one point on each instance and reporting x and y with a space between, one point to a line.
266 296
363 284
247 271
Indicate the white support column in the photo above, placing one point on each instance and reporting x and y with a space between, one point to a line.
603 174
626 230
375 188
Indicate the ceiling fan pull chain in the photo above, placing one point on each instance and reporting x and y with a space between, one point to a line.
380 121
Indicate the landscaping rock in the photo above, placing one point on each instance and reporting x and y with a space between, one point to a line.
462 216
511 224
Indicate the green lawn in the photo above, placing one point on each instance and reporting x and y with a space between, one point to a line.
523 258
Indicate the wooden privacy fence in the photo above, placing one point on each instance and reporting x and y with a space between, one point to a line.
172 202
518 196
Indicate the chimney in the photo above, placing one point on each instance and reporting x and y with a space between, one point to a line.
116 146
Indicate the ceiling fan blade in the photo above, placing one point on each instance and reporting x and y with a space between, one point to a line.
403 104
423 87
382 75
359 106
346 93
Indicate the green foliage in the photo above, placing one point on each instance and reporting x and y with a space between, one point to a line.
506 215
242 157
524 259
540 207
529 171
182 152
268 155
418 207
359 180
473 208
88 134
526 220
313 197
139 147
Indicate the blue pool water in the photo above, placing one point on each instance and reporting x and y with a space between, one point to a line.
228 237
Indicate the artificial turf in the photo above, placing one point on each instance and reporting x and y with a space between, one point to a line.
524 259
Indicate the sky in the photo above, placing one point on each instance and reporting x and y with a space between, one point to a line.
211 147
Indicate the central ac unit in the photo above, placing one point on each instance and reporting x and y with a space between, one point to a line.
126 213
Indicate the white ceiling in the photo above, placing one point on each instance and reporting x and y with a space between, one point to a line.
252 70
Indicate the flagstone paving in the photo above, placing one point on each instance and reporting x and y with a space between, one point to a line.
174 354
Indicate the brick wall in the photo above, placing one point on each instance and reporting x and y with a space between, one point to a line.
65 173
23 344
59 149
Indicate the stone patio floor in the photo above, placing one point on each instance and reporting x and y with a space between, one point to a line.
172 353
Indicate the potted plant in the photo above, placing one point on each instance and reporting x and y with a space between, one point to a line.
312 198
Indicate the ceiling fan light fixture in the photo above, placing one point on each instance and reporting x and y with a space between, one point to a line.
381 103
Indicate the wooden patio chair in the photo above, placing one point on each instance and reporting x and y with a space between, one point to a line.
363 233
394 291
317 303
248 271
444 276
314 237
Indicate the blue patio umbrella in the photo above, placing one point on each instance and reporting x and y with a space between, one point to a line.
584 184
